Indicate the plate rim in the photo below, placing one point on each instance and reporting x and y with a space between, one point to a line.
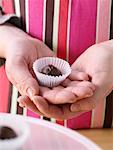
66 131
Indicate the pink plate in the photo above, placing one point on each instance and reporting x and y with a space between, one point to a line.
49 136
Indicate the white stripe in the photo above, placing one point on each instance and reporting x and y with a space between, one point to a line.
92 118
97 21
55 32
27 15
17 7
41 117
14 100
53 120
65 123
68 29
55 25
103 115
104 109
44 20
1 3
24 111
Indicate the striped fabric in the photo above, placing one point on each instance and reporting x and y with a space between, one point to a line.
68 27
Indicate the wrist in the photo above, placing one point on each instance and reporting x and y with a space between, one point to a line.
107 45
8 36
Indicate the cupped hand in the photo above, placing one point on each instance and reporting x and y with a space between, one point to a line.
55 102
97 62
20 53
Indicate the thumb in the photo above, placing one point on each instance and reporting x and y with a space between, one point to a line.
20 76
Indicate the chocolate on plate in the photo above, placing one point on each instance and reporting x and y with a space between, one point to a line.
51 70
7 133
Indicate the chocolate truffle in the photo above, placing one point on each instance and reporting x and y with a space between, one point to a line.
7 133
51 70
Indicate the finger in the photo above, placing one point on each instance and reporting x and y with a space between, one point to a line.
80 84
54 111
87 84
86 104
24 101
68 114
76 75
49 110
20 76
57 95
67 82
58 88
80 92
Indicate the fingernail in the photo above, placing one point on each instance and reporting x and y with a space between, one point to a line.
30 92
75 108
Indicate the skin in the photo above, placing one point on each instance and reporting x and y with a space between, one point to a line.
75 95
101 75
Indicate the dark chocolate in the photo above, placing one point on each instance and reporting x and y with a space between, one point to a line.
51 70
7 133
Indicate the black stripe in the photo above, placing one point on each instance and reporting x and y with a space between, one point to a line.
108 111
13 5
49 28
111 25
2 61
9 98
23 15
109 100
19 109
49 23
45 118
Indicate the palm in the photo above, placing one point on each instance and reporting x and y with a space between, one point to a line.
97 62
20 60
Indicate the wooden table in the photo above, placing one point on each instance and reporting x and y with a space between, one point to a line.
102 137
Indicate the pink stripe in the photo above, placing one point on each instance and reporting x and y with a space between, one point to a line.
36 18
83 121
31 114
8 6
82 35
82 27
4 90
35 26
4 82
62 34
103 23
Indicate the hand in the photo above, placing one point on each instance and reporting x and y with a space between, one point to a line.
55 102
97 61
20 53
